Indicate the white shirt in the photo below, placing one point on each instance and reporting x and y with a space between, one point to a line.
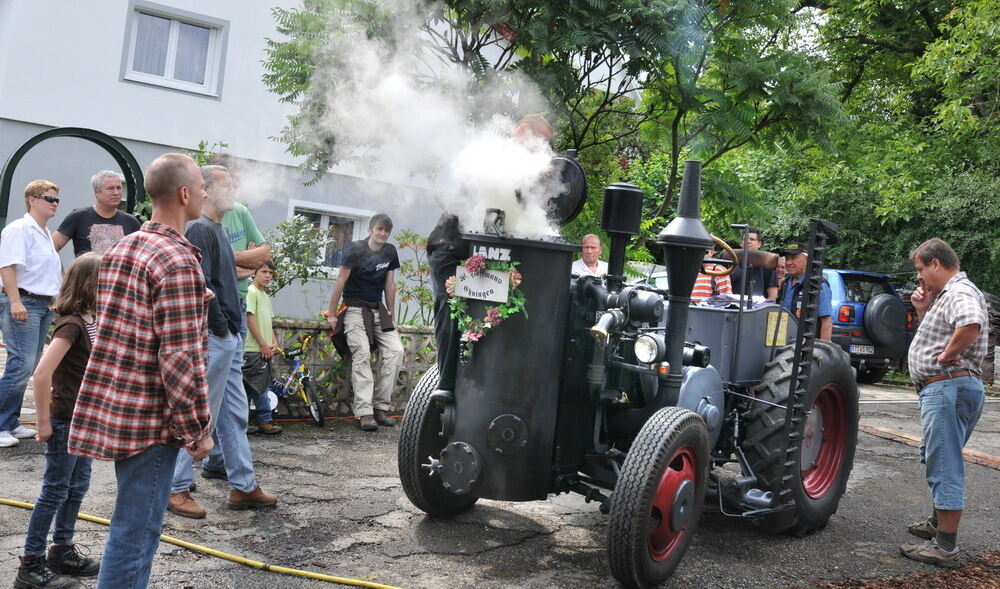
580 268
29 248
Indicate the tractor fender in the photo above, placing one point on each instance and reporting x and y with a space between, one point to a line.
701 392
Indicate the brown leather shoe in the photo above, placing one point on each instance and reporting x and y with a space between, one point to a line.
255 498
367 423
269 428
184 505
382 418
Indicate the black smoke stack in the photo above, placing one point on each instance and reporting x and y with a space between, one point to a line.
684 242
620 219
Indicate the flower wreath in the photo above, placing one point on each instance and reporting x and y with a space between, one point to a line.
473 329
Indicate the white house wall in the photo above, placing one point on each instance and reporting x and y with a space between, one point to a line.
61 66
73 52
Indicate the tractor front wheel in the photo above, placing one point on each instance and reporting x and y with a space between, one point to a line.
420 440
826 434
658 499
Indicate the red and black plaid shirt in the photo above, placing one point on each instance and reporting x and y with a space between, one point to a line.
145 383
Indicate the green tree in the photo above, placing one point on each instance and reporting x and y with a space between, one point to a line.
916 79
964 62
702 79
297 248
414 299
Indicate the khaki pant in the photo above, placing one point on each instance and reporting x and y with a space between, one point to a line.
372 386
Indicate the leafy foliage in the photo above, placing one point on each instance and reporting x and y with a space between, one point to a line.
880 116
297 248
697 80
204 152
414 282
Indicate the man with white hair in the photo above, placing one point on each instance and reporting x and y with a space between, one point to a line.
98 227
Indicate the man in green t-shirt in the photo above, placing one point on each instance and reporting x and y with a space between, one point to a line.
259 349
248 245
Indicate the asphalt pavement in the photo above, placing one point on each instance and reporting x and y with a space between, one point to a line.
342 512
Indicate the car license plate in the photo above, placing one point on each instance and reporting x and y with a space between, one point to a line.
863 350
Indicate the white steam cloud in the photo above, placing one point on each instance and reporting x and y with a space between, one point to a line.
406 116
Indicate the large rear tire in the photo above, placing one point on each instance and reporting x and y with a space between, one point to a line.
420 440
828 433
658 499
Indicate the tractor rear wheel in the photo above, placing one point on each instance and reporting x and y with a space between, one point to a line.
658 498
828 432
420 439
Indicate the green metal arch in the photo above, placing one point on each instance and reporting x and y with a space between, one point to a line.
135 193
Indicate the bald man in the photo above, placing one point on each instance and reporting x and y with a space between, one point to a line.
590 263
144 396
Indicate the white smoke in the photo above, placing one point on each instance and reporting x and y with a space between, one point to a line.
406 117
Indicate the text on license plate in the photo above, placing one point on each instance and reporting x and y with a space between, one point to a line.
863 350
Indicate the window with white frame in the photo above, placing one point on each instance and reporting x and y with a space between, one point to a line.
341 225
175 49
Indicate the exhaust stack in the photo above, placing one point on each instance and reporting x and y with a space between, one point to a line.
684 241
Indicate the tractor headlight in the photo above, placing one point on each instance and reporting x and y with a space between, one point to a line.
650 348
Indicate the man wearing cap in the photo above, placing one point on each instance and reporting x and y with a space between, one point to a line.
945 360
795 270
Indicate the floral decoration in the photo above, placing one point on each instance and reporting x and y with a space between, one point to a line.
474 329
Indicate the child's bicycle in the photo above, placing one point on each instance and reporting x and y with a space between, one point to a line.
299 381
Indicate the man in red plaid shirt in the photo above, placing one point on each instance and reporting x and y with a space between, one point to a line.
144 395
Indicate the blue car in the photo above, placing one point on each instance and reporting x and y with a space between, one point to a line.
869 321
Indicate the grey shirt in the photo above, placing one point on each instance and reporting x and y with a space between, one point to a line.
218 263
959 304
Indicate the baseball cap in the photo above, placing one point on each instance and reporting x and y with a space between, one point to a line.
793 249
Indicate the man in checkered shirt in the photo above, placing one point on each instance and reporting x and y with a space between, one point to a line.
946 359
144 396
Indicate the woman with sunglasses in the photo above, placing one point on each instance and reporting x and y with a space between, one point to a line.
30 275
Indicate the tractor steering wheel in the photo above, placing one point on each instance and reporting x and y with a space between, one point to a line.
729 265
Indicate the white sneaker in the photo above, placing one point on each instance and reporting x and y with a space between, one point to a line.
7 440
23 432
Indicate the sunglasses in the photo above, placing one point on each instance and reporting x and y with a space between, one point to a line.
50 199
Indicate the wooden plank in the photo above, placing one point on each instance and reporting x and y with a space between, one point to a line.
972 456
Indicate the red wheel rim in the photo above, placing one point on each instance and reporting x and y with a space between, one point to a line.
680 475
828 428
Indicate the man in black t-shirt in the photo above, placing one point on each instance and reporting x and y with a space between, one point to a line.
98 227
227 398
366 274
761 281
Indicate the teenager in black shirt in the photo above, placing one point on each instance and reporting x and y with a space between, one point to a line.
367 322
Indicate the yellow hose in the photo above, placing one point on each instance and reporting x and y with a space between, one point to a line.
230 557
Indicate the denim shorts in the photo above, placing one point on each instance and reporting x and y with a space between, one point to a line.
949 410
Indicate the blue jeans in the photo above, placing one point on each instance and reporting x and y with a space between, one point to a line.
229 417
25 340
143 486
949 410
67 478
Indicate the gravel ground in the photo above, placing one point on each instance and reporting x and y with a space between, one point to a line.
343 512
